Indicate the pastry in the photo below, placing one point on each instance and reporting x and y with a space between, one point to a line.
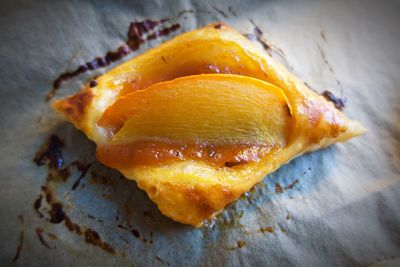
202 118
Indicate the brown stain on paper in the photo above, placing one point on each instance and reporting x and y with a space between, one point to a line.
50 154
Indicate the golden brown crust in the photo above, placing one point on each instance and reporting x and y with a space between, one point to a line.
75 107
190 204
325 121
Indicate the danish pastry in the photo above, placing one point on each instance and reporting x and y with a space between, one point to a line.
200 119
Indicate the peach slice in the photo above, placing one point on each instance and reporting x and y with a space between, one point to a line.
235 118
216 109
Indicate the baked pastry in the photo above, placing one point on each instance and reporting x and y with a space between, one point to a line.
200 119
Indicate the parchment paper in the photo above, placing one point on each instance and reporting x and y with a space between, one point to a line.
342 211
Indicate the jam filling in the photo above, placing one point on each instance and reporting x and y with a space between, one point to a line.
157 153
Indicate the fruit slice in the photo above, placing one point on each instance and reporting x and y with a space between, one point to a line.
234 117
216 109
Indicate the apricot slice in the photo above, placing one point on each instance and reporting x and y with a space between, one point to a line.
214 109
224 120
